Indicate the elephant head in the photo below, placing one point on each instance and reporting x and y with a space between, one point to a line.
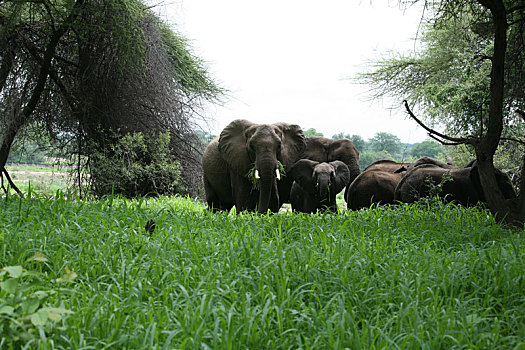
253 153
317 184
322 149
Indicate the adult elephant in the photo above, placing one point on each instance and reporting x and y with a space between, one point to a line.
457 184
243 165
316 184
376 184
389 166
322 149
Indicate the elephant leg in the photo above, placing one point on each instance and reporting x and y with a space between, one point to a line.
211 197
245 197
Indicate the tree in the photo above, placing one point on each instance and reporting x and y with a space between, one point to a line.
90 72
383 141
427 148
357 140
312 132
443 79
340 135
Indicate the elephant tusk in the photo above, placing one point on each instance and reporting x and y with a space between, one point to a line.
277 174
257 174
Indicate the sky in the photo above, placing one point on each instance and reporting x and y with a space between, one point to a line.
293 60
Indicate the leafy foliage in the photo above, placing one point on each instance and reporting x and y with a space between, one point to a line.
24 315
383 141
312 132
427 148
135 165
448 78
115 67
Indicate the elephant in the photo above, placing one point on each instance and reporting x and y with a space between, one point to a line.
388 165
243 166
376 184
429 160
322 149
317 184
457 184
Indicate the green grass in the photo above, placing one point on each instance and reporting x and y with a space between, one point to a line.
415 276
45 180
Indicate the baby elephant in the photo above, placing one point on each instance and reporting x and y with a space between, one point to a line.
316 184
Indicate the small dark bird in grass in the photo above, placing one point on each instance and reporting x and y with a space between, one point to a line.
150 227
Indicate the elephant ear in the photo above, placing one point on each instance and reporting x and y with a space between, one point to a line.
233 148
293 143
342 175
302 172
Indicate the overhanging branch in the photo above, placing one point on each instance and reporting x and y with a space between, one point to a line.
437 135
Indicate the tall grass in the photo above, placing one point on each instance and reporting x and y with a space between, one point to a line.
413 276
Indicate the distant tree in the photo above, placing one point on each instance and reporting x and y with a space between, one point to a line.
427 148
383 141
357 140
340 135
312 132
368 157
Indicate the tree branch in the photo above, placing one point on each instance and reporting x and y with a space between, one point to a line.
11 183
513 140
435 134
515 8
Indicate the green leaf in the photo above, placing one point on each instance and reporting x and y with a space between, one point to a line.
29 306
7 310
55 314
40 294
14 271
10 285
39 318
68 276
38 257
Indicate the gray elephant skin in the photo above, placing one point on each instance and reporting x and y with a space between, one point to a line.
322 149
461 185
241 166
316 184
376 184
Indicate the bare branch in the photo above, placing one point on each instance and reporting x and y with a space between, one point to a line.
516 8
513 140
444 142
433 133
11 183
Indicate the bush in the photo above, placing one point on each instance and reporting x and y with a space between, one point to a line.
135 165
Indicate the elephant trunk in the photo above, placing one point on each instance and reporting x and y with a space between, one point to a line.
266 169
323 184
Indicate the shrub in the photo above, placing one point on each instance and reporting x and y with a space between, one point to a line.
135 165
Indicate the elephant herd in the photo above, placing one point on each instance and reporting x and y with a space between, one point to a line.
258 167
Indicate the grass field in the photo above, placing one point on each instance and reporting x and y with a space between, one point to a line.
425 276
45 180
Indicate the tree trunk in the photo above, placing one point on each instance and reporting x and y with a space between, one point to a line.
510 211
22 116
